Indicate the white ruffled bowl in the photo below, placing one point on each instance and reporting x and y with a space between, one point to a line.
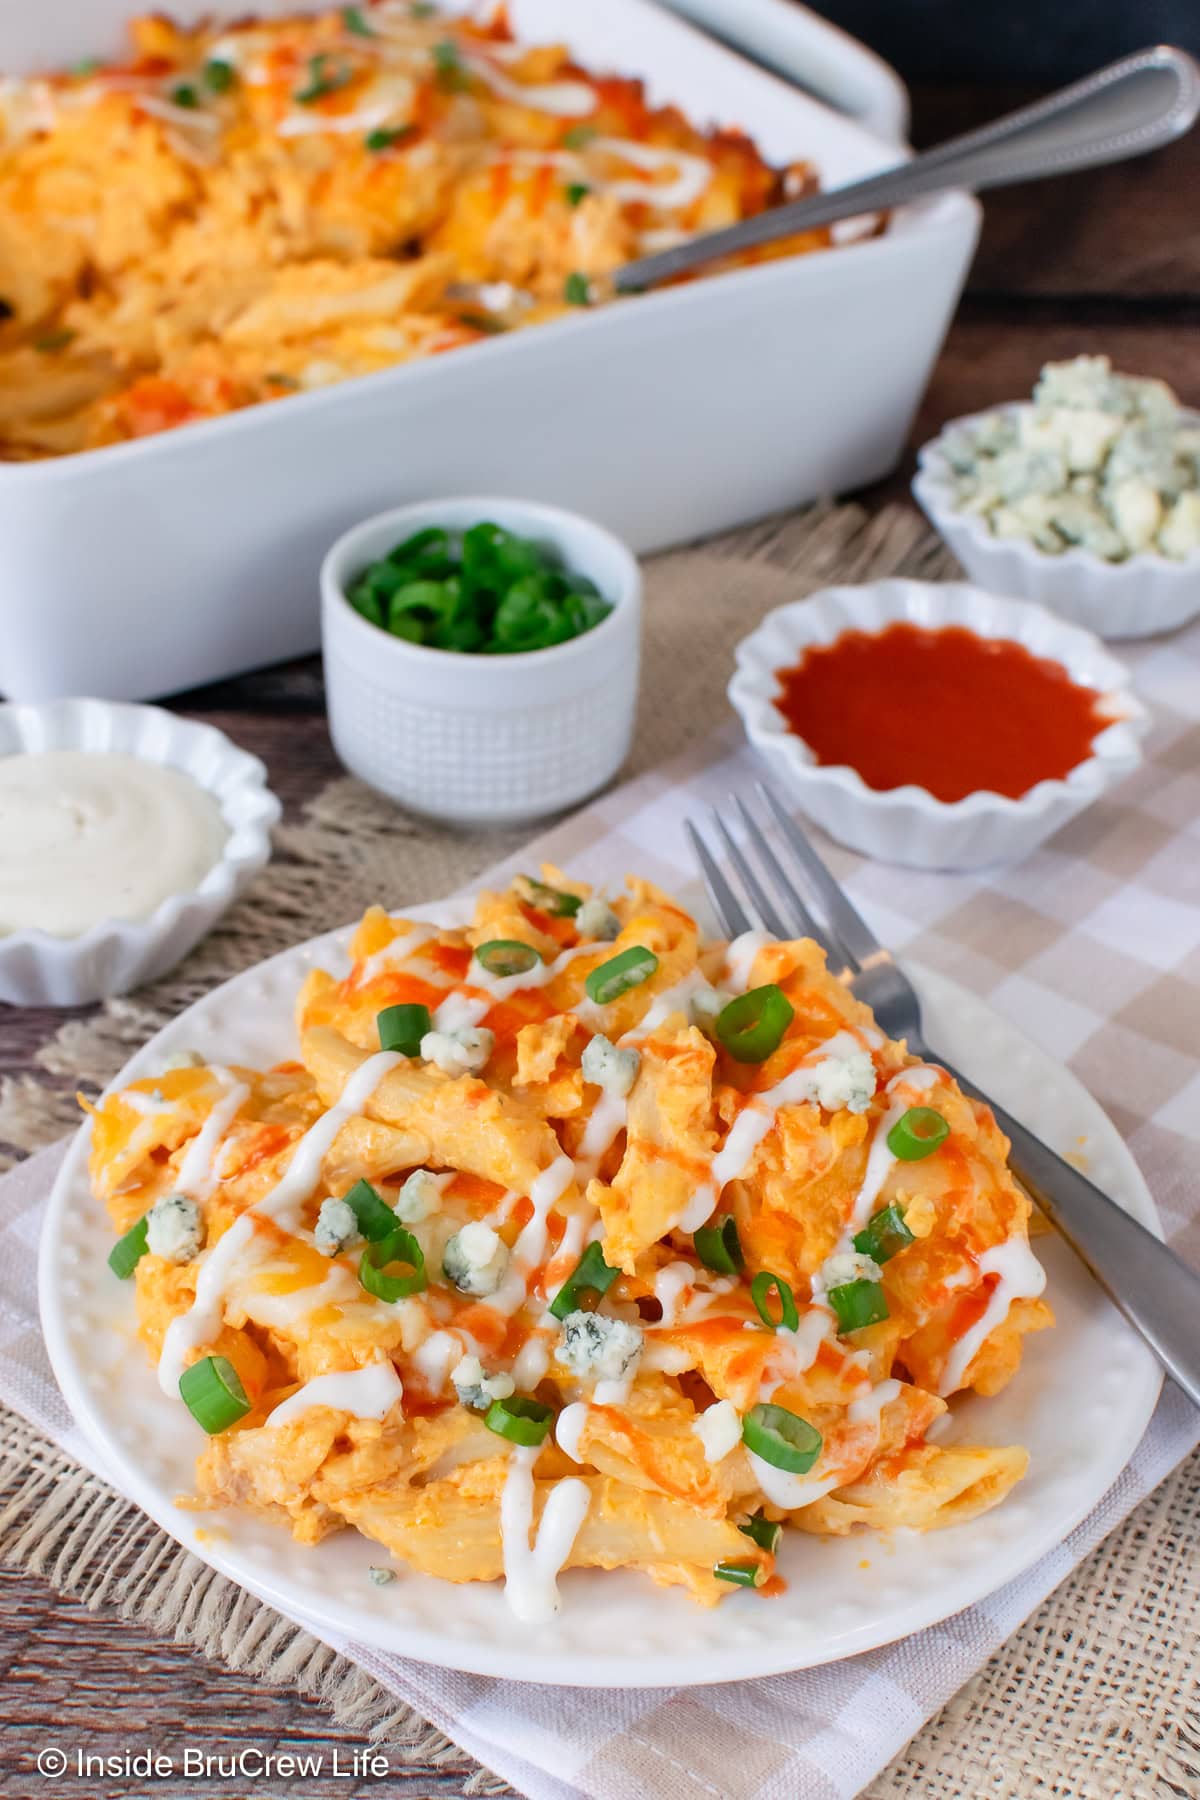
483 740
116 955
907 824
1142 597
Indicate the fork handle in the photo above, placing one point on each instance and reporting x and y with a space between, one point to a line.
1155 1289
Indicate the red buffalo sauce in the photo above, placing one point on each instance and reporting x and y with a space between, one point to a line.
944 709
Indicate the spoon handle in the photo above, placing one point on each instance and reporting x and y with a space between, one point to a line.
1137 104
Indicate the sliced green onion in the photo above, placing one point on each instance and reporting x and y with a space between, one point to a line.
219 75
520 1419
402 1028
375 1218
781 1438
620 973
551 900
385 136
87 65
760 1289
577 290
591 1275
753 1025
884 1236
918 1134
54 340
401 1248
185 95
580 136
762 1531
858 1303
719 1247
322 79
354 22
507 956
576 191
212 1391
741 1574
451 76
129 1250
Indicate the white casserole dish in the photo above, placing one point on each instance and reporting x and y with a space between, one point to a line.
156 565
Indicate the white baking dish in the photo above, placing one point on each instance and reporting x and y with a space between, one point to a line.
152 566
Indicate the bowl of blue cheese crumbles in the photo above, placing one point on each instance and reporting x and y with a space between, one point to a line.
1085 498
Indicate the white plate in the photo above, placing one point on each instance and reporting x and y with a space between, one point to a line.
1081 1401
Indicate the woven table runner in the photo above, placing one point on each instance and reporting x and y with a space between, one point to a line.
1095 1696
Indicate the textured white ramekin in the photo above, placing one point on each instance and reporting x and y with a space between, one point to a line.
907 824
483 740
115 955
1148 594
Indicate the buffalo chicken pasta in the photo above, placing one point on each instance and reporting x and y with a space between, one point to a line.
238 212
572 1240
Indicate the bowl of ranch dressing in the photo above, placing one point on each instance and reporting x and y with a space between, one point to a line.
125 832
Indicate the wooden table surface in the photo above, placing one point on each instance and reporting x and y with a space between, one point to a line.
1107 261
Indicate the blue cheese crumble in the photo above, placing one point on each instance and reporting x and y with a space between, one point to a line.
1098 460
475 1259
476 1388
596 919
719 1428
420 1197
595 1348
845 1082
462 1052
174 1229
336 1229
608 1067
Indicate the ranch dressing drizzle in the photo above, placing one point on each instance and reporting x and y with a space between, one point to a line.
531 1571
1022 1277
202 1322
755 1121
198 1171
563 99
881 1160
399 950
87 835
367 1393
694 174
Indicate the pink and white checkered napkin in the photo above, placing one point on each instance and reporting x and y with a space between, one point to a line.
1093 947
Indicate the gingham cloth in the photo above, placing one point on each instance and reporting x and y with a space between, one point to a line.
1092 946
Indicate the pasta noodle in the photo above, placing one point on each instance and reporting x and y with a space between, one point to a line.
640 1283
240 212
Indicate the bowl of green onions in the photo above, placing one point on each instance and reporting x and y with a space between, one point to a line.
481 657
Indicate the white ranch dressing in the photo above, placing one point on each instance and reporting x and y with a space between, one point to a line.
366 1393
198 1171
1022 1277
532 1361
88 835
568 1429
531 1570
787 1490
185 118
202 1322
739 958
562 99
399 950
694 174
881 1160
757 1118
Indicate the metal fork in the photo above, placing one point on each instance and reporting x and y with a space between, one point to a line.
1156 1291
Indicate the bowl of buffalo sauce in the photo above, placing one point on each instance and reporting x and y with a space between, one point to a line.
933 724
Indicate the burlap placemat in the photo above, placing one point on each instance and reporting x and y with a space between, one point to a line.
1075 1705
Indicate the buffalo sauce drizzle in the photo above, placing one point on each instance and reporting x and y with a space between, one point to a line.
944 709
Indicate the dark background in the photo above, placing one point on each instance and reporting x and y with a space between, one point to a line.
1036 41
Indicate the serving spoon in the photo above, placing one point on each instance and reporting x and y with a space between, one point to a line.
1134 105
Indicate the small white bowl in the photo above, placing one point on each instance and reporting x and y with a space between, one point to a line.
483 740
116 955
907 824
1148 594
